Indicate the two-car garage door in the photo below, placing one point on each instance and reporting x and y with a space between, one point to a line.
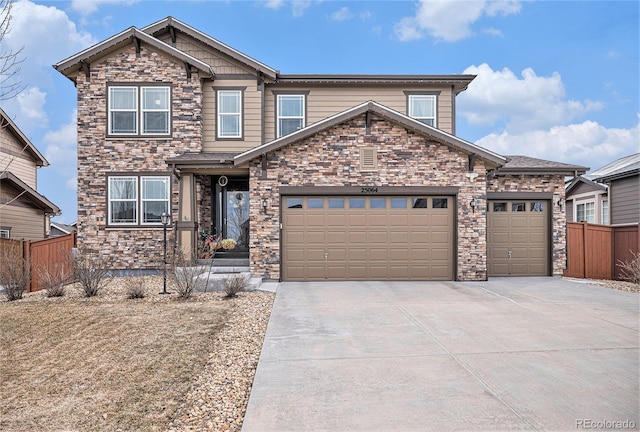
368 237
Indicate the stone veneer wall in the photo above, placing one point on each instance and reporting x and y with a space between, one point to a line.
98 155
331 158
541 183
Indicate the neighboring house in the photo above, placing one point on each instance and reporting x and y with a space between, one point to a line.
24 213
60 229
608 196
315 176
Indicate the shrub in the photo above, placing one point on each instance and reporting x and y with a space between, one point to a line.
234 284
184 274
89 272
15 272
54 277
136 286
630 270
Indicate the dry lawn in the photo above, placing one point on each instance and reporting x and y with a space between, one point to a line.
78 364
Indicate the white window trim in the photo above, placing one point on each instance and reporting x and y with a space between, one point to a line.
433 98
139 111
5 233
602 209
280 117
220 115
139 200
586 217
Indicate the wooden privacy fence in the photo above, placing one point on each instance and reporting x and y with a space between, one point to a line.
38 254
595 251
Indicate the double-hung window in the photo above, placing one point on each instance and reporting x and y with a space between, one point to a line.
291 113
229 114
138 200
139 110
605 212
422 108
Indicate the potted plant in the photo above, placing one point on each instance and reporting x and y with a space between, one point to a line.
228 243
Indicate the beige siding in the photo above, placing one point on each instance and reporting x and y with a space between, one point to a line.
625 200
251 116
14 159
23 220
220 63
323 102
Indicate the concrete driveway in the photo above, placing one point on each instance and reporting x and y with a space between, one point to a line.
509 354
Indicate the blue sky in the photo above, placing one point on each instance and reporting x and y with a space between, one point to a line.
556 80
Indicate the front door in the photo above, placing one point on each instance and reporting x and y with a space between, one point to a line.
232 211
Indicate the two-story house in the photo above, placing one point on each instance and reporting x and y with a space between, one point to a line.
315 176
24 213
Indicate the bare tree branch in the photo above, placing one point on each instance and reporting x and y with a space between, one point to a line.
10 84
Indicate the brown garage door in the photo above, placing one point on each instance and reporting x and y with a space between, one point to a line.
518 238
367 238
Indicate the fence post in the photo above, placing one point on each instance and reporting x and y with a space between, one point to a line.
26 261
585 236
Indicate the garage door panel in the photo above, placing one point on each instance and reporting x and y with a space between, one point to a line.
374 242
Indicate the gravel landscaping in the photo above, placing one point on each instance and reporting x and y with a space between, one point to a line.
200 375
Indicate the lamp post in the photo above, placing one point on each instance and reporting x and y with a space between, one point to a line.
165 218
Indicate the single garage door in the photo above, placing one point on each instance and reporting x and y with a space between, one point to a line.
518 238
367 238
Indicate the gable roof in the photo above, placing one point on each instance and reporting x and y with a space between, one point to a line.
74 63
584 180
383 111
620 168
172 23
529 165
5 121
67 229
31 194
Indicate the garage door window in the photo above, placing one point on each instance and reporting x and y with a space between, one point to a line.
397 203
335 203
537 206
500 207
441 203
356 203
294 203
419 202
378 203
315 203
518 207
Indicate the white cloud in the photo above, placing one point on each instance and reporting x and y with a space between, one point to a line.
300 7
47 35
341 14
365 15
528 102
31 106
274 4
61 147
87 7
451 20
72 183
491 31
587 143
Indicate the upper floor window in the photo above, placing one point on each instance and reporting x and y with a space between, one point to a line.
422 108
5 233
139 110
138 200
290 113
229 114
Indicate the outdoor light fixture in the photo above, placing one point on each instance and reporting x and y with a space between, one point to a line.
473 204
265 204
165 218
560 202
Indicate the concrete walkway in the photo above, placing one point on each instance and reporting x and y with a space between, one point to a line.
509 354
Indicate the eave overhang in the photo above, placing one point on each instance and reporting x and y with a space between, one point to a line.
70 66
525 165
31 194
384 112
171 22
6 122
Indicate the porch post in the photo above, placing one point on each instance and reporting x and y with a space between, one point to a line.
186 224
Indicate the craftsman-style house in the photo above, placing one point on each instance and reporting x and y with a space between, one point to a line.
314 176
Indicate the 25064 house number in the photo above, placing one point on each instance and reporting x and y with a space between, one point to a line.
368 189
